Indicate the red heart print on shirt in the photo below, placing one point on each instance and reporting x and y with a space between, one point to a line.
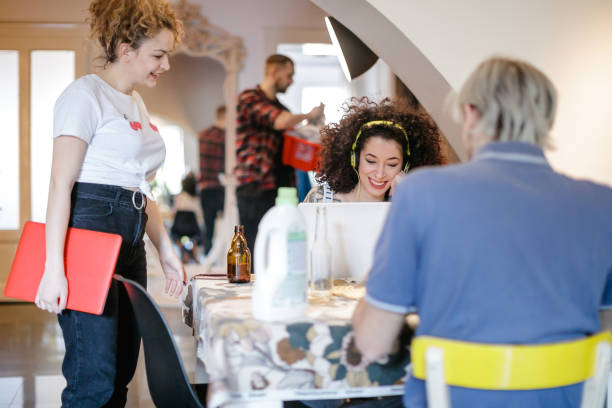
135 125
153 127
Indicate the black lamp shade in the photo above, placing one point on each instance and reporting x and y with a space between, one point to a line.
355 57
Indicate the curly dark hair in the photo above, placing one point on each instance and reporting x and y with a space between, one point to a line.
337 138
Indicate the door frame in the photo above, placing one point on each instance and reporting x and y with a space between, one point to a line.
24 38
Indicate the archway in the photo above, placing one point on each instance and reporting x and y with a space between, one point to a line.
203 39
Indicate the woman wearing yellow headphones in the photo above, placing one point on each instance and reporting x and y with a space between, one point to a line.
365 154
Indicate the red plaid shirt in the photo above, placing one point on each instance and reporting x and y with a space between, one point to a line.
212 156
258 145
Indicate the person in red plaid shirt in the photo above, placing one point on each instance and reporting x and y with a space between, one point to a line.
212 162
259 141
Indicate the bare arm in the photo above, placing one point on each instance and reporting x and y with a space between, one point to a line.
68 154
315 195
172 267
287 120
375 330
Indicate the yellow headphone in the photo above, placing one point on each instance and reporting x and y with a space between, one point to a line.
368 125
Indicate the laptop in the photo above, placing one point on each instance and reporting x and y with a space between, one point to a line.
90 258
352 232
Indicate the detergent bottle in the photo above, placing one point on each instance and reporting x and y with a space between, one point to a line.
281 284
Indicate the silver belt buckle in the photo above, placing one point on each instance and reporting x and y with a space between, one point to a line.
142 200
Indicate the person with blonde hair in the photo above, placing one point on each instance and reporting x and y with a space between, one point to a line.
105 155
505 102
501 249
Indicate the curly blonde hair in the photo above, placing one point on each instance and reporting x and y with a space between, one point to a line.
113 22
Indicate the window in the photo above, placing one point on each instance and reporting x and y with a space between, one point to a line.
37 61
51 73
9 153
332 96
169 176
318 78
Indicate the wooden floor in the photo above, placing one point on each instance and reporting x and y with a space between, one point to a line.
32 348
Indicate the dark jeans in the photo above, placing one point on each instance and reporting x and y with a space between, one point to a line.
252 206
380 402
303 184
212 200
102 351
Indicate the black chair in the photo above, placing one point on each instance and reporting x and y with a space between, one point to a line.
168 383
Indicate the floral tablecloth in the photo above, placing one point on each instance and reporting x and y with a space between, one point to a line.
313 358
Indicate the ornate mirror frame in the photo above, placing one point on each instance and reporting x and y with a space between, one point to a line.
203 39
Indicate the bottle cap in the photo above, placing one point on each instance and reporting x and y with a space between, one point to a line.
287 195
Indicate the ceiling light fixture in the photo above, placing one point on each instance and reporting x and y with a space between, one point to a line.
355 57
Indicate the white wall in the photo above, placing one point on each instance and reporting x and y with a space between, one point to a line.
251 20
44 11
325 71
570 41
188 95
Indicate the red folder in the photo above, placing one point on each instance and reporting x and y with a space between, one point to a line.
90 258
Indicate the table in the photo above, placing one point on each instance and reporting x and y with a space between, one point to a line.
251 361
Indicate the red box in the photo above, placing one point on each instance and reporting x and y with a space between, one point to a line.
299 153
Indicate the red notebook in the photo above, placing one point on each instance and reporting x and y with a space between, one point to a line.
90 258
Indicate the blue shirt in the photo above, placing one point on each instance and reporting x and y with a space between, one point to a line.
501 249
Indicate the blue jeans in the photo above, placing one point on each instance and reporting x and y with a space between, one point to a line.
303 184
102 351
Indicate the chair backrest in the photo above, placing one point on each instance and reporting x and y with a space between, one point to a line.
442 362
168 383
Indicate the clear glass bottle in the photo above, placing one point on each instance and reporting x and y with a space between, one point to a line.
321 279
239 258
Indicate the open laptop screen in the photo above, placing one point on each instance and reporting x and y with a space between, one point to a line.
352 232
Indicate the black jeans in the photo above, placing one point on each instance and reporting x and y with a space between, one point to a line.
374 402
212 200
102 351
252 206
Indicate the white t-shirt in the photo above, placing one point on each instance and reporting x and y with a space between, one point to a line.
124 148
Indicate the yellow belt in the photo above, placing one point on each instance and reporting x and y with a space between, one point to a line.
510 367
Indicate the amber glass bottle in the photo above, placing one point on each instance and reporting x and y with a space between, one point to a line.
239 258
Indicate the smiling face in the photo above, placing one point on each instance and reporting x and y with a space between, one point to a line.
380 160
150 60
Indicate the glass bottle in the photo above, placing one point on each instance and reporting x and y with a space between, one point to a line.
239 258
321 279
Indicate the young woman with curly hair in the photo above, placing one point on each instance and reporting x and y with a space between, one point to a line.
105 154
374 144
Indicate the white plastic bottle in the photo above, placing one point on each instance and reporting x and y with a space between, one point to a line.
281 285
